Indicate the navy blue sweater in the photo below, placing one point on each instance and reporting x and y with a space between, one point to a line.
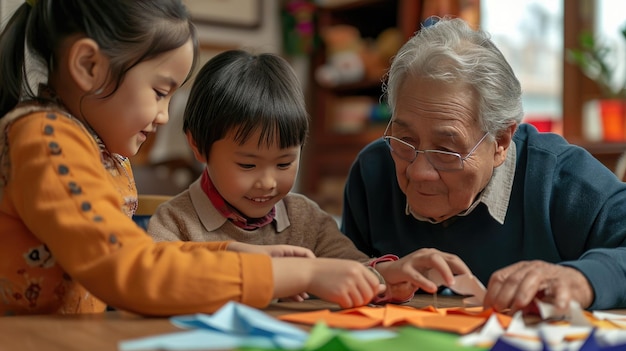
565 207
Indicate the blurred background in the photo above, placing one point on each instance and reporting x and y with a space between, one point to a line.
570 56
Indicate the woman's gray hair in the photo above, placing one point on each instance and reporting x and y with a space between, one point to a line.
451 51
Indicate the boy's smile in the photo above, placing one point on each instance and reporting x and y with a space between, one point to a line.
252 177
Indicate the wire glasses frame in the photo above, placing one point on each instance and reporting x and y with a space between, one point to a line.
440 160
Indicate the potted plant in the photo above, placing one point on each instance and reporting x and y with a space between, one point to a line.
604 118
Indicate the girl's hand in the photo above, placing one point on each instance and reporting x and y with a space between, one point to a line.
295 298
271 250
344 282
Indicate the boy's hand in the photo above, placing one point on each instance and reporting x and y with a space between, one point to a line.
401 291
413 267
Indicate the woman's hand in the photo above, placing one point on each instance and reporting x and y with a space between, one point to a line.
514 288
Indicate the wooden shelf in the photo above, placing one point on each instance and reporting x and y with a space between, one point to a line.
329 152
602 148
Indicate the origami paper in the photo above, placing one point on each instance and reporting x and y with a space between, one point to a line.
618 320
333 319
464 284
503 319
488 334
236 325
324 338
394 315
233 325
240 326
406 339
579 331
591 343
517 334
236 318
429 340
574 314
194 340
451 323
611 336
513 345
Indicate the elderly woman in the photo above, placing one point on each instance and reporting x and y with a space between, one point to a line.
457 175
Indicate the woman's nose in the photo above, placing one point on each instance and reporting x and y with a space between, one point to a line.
421 169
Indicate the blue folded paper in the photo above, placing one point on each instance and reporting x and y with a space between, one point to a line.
234 325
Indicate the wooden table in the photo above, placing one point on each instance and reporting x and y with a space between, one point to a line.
100 332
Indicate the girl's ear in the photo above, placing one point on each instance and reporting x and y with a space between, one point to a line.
194 147
88 67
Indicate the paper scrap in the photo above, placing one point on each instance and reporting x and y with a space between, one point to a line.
464 284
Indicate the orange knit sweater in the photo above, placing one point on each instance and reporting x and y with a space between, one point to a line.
68 244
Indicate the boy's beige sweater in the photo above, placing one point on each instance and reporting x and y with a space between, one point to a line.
190 216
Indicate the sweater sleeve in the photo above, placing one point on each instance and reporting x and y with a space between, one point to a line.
601 213
65 197
355 219
587 216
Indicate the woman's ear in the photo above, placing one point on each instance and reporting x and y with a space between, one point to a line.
503 141
194 147
88 67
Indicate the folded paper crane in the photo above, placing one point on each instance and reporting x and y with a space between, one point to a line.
238 326
234 325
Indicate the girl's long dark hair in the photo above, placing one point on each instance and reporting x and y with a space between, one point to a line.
127 31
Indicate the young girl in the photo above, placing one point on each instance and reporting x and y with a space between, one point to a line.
67 242
246 120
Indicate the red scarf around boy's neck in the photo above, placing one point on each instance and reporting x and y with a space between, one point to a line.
228 211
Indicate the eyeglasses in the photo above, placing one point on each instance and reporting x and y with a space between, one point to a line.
440 160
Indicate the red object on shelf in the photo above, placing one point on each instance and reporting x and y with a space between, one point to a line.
612 112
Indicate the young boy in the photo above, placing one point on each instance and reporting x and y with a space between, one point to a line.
246 120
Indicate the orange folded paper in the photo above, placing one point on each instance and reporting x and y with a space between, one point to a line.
456 320
396 315
450 323
504 319
332 319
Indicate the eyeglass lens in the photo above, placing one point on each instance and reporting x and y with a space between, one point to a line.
439 160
